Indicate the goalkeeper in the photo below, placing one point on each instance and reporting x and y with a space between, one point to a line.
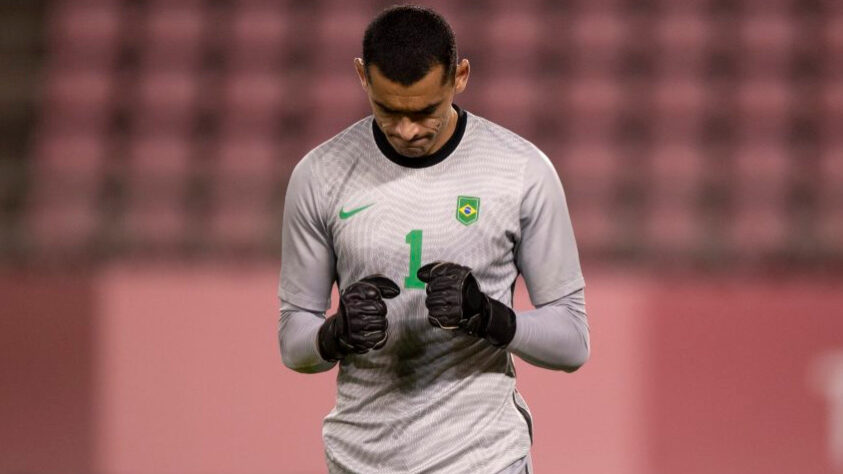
424 214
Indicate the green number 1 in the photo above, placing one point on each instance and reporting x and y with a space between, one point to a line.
414 238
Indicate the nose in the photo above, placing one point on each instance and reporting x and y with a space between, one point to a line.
406 129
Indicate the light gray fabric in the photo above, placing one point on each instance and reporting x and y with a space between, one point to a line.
521 466
554 335
431 400
297 331
546 252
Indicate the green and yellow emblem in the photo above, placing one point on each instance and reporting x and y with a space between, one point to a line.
468 209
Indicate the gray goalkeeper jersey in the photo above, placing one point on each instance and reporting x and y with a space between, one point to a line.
430 400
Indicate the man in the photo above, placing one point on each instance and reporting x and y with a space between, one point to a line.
424 214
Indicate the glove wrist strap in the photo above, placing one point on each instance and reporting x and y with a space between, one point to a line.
329 345
500 325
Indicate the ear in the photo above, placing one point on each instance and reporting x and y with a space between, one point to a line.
361 73
461 77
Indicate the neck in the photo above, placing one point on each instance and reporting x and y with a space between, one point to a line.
446 135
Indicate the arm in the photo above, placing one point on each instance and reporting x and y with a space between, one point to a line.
309 341
555 335
307 272
359 326
297 334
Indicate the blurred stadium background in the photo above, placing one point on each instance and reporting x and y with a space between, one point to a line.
145 148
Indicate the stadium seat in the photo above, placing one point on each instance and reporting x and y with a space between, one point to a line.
674 188
259 37
77 99
762 173
248 156
71 156
761 8
338 37
596 40
62 226
758 228
830 184
831 231
765 45
155 159
260 26
154 224
252 100
83 34
166 100
516 36
830 199
241 215
510 101
681 40
594 225
678 108
763 108
244 228
676 168
593 108
335 102
507 7
173 34
833 36
156 183
673 226
831 111
228 95
762 170
62 204
589 170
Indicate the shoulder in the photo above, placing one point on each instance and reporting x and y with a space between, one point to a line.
505 142
336 153
492 134
318 173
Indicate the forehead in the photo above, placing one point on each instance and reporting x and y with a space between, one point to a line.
427 90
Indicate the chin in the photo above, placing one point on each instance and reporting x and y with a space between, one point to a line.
413 153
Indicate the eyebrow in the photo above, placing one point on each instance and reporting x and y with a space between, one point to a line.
426 110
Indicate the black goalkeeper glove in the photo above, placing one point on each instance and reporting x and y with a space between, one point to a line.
360 323
454 300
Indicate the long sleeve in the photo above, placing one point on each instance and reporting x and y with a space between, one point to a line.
554 335
297 328
307 256
307 272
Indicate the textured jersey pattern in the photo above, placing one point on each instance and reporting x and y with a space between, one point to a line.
431 400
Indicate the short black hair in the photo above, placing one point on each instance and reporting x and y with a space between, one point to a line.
405 42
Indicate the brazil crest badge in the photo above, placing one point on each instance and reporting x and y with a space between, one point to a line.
468 209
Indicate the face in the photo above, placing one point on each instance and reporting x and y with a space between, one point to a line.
417 119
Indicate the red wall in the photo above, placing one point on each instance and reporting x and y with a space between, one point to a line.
730 386
177 370
47 382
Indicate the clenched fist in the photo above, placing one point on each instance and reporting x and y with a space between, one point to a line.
360 324
455 301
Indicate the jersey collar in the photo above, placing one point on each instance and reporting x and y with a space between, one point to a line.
422 161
